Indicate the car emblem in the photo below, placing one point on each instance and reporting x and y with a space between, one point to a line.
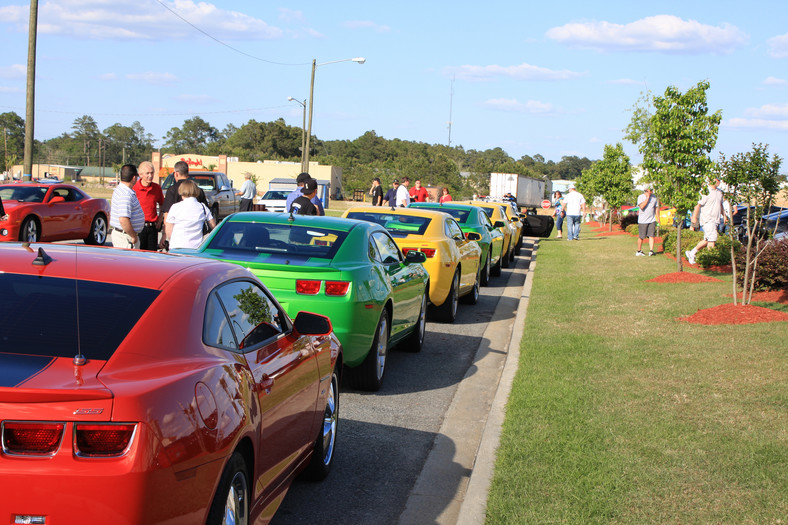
88 411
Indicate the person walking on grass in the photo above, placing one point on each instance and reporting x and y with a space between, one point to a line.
647 221
575 207
707 214
559 213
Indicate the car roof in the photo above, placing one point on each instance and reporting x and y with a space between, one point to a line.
416 212
267 217
102 264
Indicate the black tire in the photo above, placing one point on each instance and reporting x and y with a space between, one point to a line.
447 312
519 246
485 273
369 374
232 495
323 451
472 297
415 340
507 257
30 230
215 213
495 271
98 231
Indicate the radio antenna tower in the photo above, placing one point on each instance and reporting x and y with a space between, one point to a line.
451 101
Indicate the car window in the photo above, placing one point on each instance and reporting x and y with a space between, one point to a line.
453 229
205 182
396 224
38 315
216 327
484 219
389 253
23 194
374 254
260 238
252 316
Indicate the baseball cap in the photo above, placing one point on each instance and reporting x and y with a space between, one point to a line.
302 177
310 185
572 187
395 181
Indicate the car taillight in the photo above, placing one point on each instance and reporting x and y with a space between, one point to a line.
406 250
31 438
429 252
307 287
337 287
102 440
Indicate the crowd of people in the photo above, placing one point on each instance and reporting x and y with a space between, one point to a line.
401 194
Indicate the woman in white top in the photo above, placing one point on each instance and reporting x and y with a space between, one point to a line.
184 224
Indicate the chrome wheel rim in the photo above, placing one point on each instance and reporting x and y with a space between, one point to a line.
235 509
100 230
330 419
31 232
382 346
455 300
423 319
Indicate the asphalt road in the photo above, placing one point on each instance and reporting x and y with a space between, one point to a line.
384 437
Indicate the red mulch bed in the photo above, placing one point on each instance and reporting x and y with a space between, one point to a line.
593 224
726 268
684 277
773 296
730 314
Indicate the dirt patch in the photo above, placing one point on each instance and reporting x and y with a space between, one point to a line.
684 277
593 224
731 314
774 296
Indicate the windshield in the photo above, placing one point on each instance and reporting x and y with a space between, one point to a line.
273 195
394 223
23 193
459 214
38 315
293 240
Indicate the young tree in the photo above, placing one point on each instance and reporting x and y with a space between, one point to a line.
754 179
194 136
609 178
675 142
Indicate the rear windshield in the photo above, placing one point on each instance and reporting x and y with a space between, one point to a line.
394 223
460 214
305 241
276 194
38 315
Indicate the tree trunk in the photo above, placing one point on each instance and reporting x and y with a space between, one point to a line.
679 266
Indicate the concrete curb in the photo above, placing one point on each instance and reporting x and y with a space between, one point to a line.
453 484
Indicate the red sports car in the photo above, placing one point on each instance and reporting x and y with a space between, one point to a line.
52 212
140 387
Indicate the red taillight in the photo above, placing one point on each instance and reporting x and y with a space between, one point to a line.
337 287
31 438
429 252
102 440
406 250
307 287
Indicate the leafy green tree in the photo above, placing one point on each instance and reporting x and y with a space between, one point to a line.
609 178
127 144
194 136
13 138
753 178
675 141
86 132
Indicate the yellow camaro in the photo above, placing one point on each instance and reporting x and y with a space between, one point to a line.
514 220
452 259
501 221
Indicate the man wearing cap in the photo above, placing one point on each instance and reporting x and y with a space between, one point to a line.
302 205
575 206
707 213
647 220
391 195
300 180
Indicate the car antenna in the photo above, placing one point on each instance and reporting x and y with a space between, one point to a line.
79 359
42 259
291 218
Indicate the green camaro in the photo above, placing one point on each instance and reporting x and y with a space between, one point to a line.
474 219
350 271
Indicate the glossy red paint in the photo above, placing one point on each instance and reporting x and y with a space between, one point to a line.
191 406
57 212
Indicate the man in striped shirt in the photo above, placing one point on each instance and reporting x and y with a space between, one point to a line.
126 218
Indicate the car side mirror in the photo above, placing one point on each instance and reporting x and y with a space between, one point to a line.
55 200
307 323
499 224
415 256
473 236
224 188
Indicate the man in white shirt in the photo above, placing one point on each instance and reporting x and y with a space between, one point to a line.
575 206
707 214
403 195
247 193
647 220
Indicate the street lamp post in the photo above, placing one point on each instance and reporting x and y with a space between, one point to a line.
303 131
358 60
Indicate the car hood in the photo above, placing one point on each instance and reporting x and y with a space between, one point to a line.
52 388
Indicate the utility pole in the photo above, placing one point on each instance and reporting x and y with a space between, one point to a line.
32 30
451 102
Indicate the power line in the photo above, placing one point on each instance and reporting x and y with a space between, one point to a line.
180 114
228 45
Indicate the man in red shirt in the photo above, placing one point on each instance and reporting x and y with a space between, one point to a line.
419 193
151 198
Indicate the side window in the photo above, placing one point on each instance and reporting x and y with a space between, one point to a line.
253 316
389 253
373 251
484 219
216 328
454 230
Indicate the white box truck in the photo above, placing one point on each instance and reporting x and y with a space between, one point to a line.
528 191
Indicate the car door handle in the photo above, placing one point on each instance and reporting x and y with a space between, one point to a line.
265 384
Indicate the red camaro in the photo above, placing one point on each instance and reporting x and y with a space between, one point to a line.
52 212
140 387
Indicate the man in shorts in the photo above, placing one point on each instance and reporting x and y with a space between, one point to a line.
647 220
707 214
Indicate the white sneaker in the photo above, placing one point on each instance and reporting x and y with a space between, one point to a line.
639 254
690 257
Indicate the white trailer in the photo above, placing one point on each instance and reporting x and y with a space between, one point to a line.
527 191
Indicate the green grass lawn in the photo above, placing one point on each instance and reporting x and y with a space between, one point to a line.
619 413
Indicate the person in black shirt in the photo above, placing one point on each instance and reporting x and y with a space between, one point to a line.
303 204
377 192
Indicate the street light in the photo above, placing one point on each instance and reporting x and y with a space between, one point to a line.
303 131
358 60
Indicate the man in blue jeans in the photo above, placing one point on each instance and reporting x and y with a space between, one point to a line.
575 206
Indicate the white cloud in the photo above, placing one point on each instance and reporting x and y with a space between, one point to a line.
290 15
366 24
149 77
13 71
769 111
764 124
135 20
773 81
662 33
510 104
778 46
520 72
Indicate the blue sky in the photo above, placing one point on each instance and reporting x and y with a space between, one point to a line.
551 78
